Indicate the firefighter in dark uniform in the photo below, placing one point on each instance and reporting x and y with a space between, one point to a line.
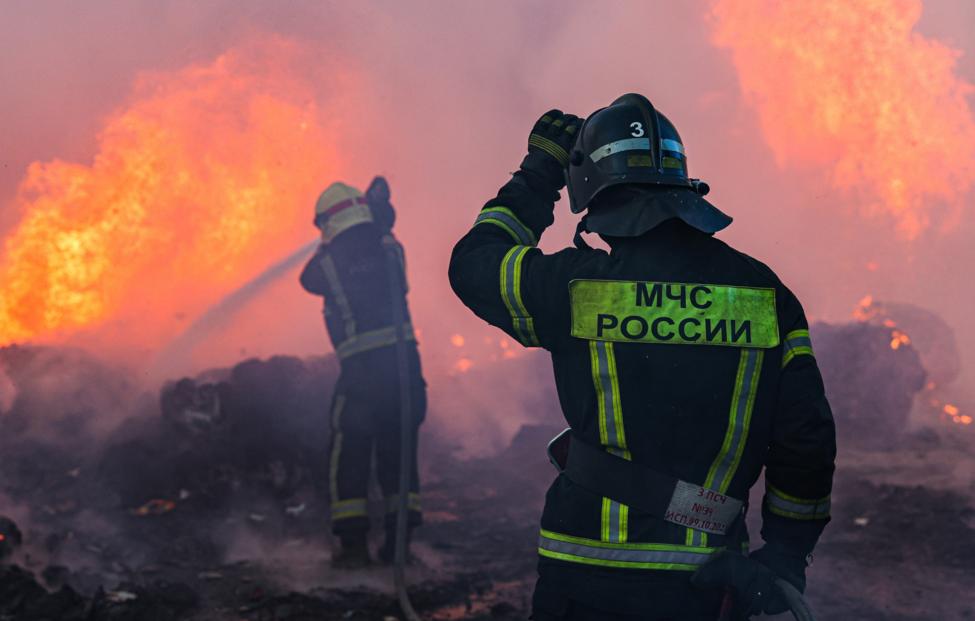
359 269
683 368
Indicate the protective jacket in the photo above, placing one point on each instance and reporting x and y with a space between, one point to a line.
676 353
352 272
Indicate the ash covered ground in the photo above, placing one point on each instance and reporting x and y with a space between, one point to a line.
207 500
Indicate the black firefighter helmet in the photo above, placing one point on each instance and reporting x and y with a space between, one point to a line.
629 169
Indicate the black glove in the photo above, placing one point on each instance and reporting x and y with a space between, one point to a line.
753 579
785 564
549 146
377 197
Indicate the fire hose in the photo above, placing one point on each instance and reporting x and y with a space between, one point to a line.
396 291
798 605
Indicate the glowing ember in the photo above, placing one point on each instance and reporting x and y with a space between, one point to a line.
864 310
954 413
898 339
154 507
200 177
859 93
457 340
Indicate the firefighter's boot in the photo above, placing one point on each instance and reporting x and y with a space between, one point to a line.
354 553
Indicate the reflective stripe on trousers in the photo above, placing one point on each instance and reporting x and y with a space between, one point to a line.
340 508
623 555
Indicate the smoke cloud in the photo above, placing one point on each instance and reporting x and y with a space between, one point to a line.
162 156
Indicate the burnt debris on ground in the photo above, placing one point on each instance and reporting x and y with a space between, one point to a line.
207 500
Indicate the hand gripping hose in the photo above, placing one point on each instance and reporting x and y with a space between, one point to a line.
396 293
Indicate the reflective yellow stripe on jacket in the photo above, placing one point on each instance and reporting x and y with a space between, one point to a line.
726 462
780 503
374 339
612 435
505 219
524 325
796 343
623 555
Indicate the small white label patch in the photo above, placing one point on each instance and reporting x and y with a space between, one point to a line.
700 508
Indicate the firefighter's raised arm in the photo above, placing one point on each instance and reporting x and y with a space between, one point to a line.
487 264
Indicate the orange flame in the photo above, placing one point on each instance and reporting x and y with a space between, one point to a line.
205 175
854 89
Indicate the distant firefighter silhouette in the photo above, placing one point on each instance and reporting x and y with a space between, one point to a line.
352 270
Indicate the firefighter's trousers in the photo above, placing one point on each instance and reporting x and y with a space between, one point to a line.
365 430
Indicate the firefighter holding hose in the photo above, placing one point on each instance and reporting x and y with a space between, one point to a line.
684 368
359 270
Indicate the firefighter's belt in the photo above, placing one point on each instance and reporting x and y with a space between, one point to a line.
662 496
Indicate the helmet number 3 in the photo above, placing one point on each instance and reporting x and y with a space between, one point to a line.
637 128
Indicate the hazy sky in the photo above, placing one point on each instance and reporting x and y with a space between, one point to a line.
444 96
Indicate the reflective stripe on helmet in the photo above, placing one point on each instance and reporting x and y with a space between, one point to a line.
507 220
522 322
671 145
780 503
374 339
618 146
344 219
624 555
796 343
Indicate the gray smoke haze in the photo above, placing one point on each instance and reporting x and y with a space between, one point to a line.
451 90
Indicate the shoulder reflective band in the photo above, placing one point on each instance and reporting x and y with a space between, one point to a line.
350 508
624 555
522 322
373 339
796 343
780 503
673 313
506 219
